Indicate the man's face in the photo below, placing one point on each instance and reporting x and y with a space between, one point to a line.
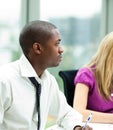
52 50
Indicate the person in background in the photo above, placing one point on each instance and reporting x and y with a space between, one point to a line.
40 43
94 84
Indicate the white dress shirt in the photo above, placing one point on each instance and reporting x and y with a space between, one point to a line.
17 99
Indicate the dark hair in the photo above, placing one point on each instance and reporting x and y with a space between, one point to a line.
35 31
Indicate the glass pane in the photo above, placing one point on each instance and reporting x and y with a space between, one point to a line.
79 22
9 29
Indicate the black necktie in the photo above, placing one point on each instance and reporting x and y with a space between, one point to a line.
38 92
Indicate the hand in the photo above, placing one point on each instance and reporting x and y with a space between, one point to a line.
83 128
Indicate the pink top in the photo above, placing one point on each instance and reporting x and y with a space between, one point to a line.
95 101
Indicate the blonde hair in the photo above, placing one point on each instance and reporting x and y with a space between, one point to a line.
103 66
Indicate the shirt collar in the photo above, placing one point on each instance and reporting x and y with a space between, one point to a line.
26 68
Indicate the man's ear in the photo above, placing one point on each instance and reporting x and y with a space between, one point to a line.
37 47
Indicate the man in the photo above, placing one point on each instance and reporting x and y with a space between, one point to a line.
19 109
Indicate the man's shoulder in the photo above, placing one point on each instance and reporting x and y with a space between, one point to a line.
8 69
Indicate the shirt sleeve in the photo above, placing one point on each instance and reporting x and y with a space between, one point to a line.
86 77
67 117
5 99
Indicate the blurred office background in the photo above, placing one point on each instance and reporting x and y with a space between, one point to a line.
82 24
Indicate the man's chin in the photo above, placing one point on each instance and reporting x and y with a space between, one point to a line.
55 65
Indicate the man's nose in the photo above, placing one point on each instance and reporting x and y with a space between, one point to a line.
61 49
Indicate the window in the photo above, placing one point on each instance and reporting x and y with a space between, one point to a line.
79 22
9 30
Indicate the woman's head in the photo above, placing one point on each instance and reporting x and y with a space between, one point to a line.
104 55
103 61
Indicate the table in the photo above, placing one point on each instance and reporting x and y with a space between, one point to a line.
95 126
98 126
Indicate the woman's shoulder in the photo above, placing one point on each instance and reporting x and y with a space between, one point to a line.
86 71
86 76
